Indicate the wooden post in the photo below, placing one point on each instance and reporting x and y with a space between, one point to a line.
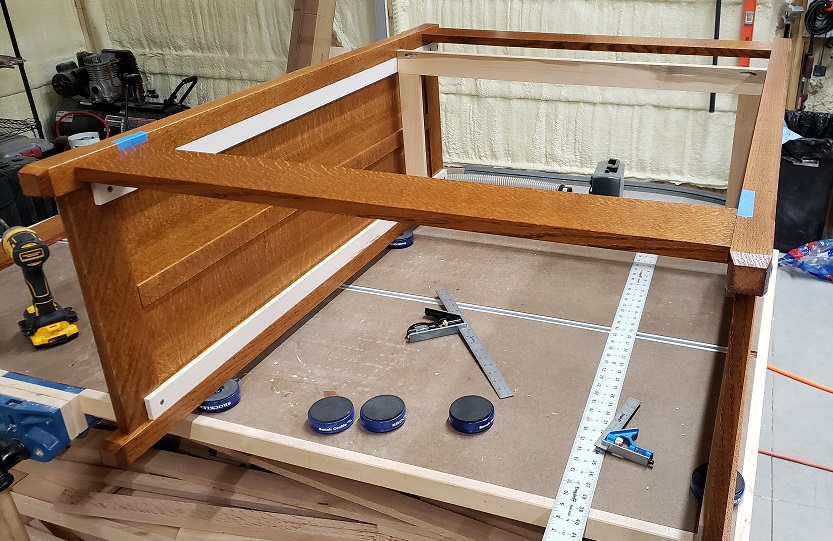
312 30
433 122
747 113
413 124
718 499
12 527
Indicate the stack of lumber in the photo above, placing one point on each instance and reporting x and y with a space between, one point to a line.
196 493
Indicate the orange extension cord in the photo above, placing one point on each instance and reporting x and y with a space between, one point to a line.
811 384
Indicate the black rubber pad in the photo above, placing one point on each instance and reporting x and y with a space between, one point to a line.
471 409
383 408
331 409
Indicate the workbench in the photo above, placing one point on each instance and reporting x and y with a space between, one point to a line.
203 238
542 310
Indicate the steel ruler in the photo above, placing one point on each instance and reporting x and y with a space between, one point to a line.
487 364
575 493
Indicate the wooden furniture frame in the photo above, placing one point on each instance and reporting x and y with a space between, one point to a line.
253 208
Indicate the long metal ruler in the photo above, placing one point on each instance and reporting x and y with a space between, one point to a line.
575 493
487 364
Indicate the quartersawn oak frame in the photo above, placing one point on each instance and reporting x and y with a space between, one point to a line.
365 130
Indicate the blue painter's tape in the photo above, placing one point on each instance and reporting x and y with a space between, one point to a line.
43 382
132 140
746 204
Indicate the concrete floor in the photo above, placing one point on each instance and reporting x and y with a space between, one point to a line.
793 501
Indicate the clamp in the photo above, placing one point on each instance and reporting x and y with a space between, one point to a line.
36 413
38 420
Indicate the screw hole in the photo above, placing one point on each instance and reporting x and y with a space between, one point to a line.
109 188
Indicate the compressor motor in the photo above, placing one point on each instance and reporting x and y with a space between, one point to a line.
106 94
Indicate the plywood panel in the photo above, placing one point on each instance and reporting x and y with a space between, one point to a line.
504 272
355 347
694 288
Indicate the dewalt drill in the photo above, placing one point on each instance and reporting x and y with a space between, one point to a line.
45 322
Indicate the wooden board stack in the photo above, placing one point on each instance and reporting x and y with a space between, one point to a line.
199 493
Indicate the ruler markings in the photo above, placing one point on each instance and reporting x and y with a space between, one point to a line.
487 364
578 484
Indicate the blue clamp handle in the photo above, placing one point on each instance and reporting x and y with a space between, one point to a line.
39 427
629 435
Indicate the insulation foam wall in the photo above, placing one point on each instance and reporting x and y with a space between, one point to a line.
48 33
667 136
228 45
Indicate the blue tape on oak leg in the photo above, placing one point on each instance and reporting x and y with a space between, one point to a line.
131 140
746 203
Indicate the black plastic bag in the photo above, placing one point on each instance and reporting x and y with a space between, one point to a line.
816 130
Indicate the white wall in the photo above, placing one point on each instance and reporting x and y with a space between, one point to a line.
229 45
48 33
658 135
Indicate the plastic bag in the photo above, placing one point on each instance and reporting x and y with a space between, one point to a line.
814 258
816 131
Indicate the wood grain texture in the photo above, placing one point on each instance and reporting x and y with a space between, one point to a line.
55 175
35 498
433 123
723 457
621 44
751 251
382 155
253 273
690 231
50 231
745 116
528 531
400 506
335 133
213 518
413 124
12 527
761 343
584 72
124 448
71 472
331 136
202 247
245 485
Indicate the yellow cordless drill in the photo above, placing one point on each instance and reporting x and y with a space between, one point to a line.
45 322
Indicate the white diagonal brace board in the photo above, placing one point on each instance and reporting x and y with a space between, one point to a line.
575 493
